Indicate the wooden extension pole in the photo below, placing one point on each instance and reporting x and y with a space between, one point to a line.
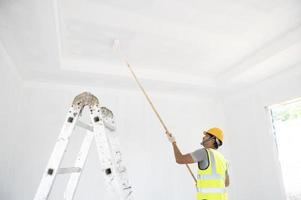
117 47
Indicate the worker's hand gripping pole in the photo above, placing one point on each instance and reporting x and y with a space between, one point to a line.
123 58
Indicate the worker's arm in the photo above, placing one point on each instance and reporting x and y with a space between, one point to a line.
227 180
180 158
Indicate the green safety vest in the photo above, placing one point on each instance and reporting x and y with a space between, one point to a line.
211 181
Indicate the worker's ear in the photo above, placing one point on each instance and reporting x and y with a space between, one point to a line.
218 142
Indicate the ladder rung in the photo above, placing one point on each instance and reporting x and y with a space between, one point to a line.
84 125
69 170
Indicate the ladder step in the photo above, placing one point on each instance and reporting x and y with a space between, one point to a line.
109 124
84 125
69 170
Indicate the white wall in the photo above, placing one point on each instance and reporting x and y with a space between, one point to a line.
147 154
255 169
9 118
32 115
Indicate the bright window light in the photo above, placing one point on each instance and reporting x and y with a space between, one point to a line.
286 120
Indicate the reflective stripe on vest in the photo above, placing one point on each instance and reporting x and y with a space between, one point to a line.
209 176
211 190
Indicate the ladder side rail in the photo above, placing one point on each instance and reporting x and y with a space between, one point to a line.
121 181
121 171
104 152
56 157
79 163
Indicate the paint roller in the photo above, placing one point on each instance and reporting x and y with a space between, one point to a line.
117 48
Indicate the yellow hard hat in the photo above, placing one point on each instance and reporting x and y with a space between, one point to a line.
217 132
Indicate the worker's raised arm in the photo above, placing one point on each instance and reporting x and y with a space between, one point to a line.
180 158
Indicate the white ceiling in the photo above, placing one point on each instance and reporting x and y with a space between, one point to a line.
194 44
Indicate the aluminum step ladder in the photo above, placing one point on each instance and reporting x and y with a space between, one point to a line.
102 131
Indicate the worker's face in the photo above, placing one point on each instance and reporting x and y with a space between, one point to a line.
206 140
